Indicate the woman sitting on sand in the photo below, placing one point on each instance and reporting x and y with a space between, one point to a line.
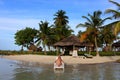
59 61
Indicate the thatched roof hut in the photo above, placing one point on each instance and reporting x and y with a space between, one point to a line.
71 44
70 41
117 44
32 47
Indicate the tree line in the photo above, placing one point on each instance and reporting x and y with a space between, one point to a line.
96 32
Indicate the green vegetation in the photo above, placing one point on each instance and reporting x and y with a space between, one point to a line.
116 15
46 35
93 24
54 53
96 33
25 36
26 52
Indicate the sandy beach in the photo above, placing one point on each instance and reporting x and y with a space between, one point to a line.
67 59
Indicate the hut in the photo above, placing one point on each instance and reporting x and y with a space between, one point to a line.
70 44
32 47
116 46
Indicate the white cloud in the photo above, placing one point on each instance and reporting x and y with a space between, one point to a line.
9 26
12 24
17 11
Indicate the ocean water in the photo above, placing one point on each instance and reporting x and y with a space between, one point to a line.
15 70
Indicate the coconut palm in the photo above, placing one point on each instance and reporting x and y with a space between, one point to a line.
60 19
117 28
61 27
114 27
116 15
106 37
92 24
43 35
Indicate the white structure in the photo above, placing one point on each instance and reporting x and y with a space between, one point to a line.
74 54
56 67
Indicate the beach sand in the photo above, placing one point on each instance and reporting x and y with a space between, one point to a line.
43 59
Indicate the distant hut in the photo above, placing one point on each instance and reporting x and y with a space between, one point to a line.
70 44
32 47
116 46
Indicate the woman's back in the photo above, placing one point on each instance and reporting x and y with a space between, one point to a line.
59 61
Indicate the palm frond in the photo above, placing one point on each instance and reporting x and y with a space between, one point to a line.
101 22
116 14
117 4
117 28
81 25
87 19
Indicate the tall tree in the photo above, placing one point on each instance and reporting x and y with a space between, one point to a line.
61 27
92 25
43 35
25 36
60 18
116 15
106 37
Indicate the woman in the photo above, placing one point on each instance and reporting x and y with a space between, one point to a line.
59 61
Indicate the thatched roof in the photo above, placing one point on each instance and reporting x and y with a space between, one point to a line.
32 47
117 44
111 24
70 41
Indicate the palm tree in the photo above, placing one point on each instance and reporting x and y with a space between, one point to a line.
61 19
116 15
106 37
117 28
43 35
92 24
61 27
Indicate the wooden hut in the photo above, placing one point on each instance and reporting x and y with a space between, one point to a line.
32 47
70 44
116 46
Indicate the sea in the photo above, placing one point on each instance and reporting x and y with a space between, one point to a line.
19 70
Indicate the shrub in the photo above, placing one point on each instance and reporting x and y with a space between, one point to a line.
106 53
117 53
51 52
80 53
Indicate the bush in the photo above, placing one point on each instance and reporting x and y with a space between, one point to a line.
117 53
106 54
18 52
80 53
51 52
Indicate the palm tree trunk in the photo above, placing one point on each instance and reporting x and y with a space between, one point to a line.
22 48
96 47
45 50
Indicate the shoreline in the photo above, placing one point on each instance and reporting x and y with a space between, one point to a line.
43 59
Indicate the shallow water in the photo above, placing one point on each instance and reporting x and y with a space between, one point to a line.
14 70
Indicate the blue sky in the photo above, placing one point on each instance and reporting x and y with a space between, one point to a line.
19 14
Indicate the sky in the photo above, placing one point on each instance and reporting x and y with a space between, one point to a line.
19 14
